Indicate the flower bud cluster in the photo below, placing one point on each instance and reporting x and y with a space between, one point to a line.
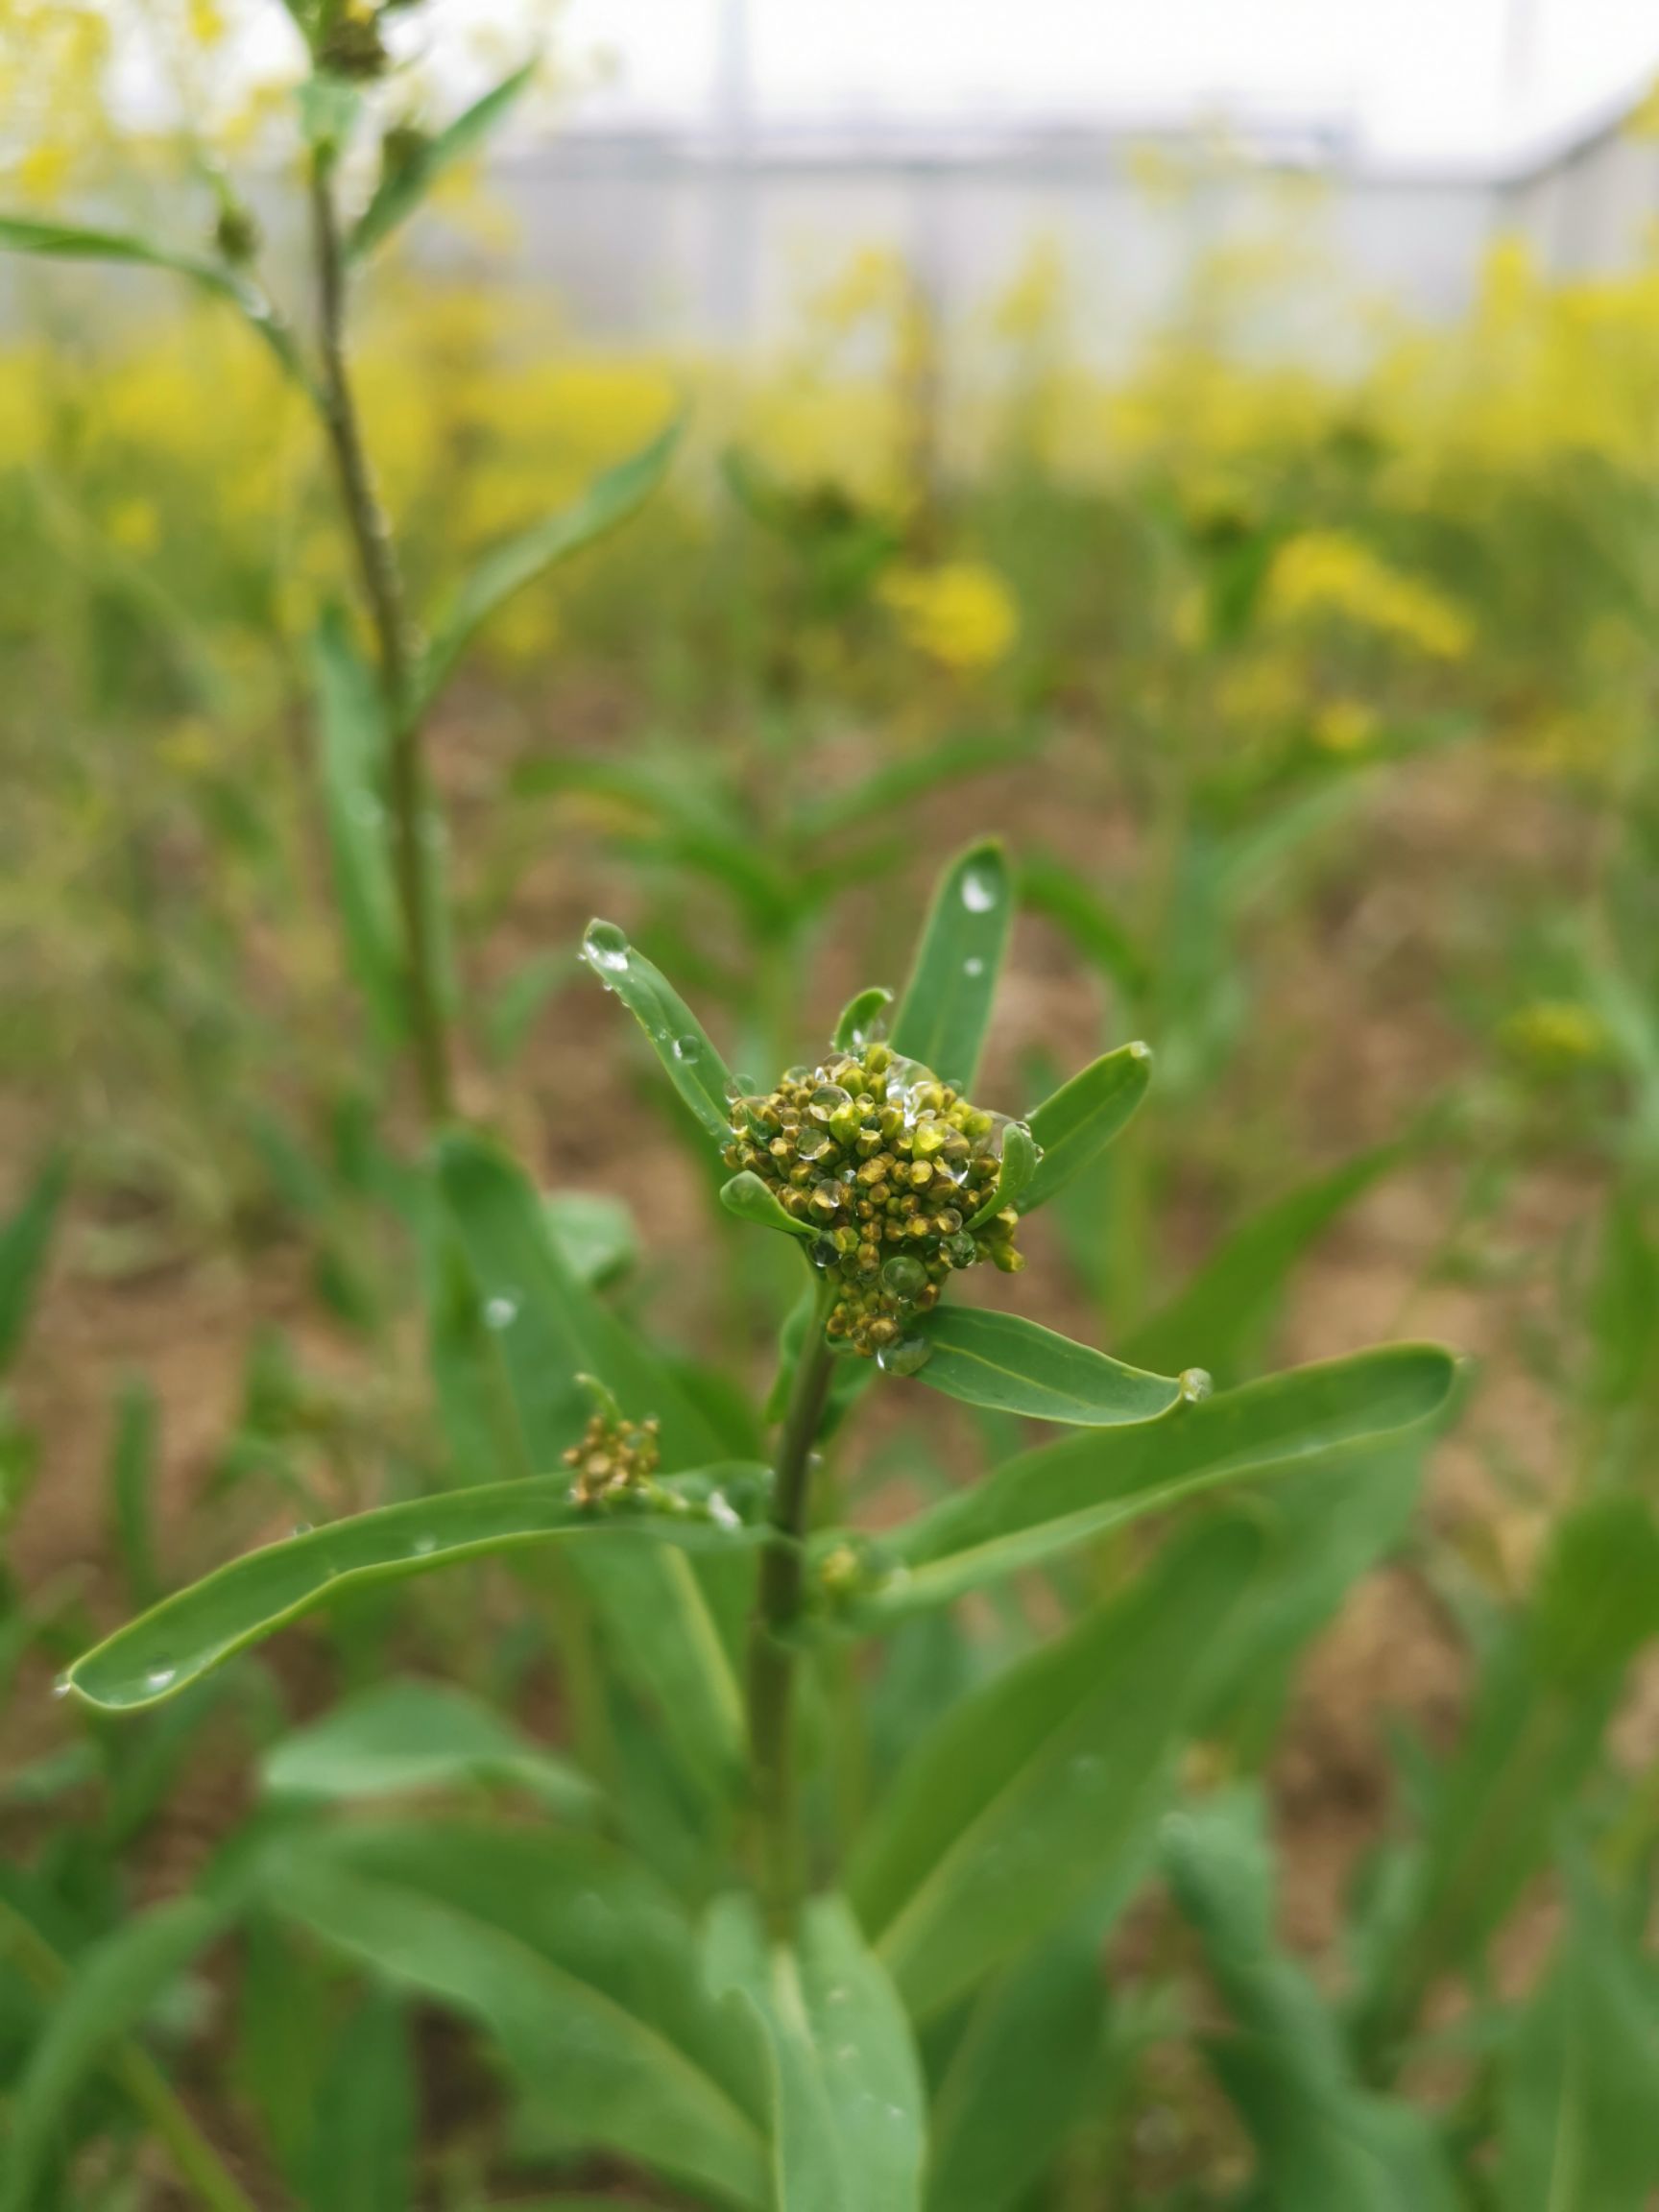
613 1457
889 1167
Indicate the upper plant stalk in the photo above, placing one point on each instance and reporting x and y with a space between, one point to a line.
397 651
781 1869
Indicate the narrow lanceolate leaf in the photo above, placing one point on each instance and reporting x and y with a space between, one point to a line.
860 1019
1019 1163
749 1198
1031 1792
400 1738
513 1331
403 187
362 2148
1036 1505
609 499
197 1628
1321 2139
1005 1361
1081 1118
108 1992
583 1970
352 729
77 242
25 1239
1578 2101
846 2098
945 1009
692 1065
1018 2077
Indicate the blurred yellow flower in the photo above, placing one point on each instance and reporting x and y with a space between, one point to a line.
961 614
134 526
1556 1035
1327 574
1345 726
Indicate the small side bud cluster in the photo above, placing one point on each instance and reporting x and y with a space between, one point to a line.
616 1457
351 45
890 1167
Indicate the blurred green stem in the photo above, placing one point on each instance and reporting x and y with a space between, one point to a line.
398 649
772 1656
195 2157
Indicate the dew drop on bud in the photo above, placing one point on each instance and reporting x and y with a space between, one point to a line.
688 1052
828 1100
1196 1384
812 1143
905 1276
606 946
907 1357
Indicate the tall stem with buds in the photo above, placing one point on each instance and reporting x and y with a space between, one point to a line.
396 649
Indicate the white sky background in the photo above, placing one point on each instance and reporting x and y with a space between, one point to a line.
1423 81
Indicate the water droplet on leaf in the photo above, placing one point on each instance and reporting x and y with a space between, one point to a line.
1196 1384
688 1052
907 1357
973 967
160 1677
980 890
606 947
500 1312
62 1687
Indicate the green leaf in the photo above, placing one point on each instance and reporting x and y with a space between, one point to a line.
196 1629
1225 1309
362 2151
1528 1745
859 1018
1081 1118
1018 2078
351 729
133 1488
609 500
749 1198
1005 1361
693 1066
25 1239
399 1738
594 1234
110 1990
845 2089
1044 1501
402 189
1578 2100
1597 1597
1018 1166
945 1008
1048 888
513 1332
1322 2140
585 1972
77 242
1030 1792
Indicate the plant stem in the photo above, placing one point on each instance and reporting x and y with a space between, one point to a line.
772 1658
195 2157
398 650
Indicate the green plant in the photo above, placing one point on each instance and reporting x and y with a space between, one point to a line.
702 1956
